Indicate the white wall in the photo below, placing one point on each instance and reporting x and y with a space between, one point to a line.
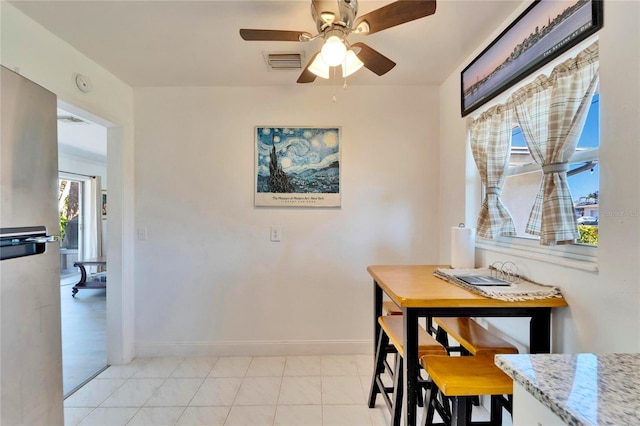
77 164
604 314
32 51
209 280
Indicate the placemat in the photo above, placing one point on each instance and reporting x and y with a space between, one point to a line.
516 291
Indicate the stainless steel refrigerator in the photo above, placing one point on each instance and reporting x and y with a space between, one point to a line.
31 348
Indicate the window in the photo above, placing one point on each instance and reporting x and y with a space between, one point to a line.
524 177
544 206
70 203
79 207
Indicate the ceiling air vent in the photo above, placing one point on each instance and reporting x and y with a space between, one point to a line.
284 61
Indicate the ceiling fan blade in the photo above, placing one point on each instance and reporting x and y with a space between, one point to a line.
307 76
374 60
274 35
393 14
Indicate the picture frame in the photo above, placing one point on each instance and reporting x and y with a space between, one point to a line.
103 204
297 166
545 30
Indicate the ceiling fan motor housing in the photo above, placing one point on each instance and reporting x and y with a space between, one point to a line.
324 13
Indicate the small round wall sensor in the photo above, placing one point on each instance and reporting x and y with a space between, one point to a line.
83 83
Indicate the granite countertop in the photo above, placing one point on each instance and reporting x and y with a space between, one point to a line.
581 389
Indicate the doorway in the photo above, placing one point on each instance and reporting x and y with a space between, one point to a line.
82 164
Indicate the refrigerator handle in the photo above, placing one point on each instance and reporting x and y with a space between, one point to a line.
26 241
43 239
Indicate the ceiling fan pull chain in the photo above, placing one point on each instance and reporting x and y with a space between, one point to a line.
344 67
334 84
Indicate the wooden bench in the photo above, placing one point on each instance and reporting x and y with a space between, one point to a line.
391 308
473 338
460 379
392 331
393 327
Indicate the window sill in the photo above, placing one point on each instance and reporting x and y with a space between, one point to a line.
572 256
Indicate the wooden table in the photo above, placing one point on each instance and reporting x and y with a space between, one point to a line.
420 294
94 282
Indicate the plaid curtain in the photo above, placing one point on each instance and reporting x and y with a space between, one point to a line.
491 145
551 112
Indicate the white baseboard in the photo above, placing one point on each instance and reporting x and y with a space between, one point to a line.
258 348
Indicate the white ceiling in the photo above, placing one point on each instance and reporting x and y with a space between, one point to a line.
196 43
83 139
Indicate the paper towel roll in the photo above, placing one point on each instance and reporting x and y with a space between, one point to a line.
463 247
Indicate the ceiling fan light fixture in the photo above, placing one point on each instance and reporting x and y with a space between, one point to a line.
328 17
319 68
351 64
335 23
333 52
362 28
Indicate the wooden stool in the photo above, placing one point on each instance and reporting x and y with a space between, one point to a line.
473 338
391 308
461 379
391 331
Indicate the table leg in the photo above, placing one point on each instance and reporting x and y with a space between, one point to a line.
83 280
540 332
410 365
83 274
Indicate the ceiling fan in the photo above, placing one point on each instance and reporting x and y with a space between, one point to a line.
335 21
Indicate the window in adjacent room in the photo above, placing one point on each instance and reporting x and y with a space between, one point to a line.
70 201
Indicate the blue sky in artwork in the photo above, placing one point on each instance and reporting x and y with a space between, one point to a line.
299 149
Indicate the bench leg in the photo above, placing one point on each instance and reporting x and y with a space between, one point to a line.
442 337
396 413
436 401
381 354
460 414
429 404
444 404
497 403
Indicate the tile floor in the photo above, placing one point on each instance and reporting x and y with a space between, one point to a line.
291 390
84 335
287 390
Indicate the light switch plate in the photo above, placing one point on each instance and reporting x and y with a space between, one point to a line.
276 233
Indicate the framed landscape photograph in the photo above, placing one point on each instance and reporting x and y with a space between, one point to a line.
545 30
297 166
104 204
